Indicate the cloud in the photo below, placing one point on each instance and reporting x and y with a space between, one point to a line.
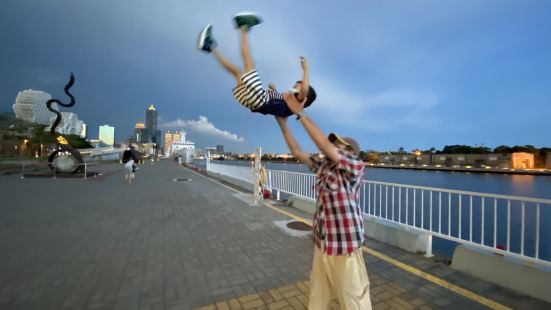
202 125
386 110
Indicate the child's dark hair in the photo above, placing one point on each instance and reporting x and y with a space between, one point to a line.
310 96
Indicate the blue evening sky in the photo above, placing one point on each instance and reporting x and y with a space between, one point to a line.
412 74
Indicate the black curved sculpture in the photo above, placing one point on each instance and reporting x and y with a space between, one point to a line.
64 158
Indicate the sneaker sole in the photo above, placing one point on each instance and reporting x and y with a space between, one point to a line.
202 37
246 14
240 14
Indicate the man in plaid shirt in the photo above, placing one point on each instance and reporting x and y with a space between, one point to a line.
338 268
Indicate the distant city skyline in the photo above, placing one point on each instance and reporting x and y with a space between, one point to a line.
395 74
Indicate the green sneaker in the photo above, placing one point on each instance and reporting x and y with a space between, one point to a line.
206 41
248 19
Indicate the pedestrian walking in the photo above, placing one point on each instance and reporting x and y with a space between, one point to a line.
129 159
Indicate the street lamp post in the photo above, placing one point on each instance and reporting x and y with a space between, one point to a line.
417 156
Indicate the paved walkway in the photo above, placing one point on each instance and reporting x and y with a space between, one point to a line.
159 244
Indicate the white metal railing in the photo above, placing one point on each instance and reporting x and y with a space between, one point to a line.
504 224
292 183
241 173
493 222
507 225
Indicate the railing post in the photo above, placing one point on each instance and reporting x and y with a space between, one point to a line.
208 160
269 180
257 190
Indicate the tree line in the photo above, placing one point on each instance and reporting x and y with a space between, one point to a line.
374 156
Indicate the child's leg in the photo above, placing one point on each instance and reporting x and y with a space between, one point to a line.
230 67
246 50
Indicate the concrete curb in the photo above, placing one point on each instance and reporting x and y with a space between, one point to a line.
409 240
504 272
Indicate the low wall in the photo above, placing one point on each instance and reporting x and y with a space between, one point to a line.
381 230
396 235
242 184
507 272
303 204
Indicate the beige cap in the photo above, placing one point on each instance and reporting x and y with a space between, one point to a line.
354 146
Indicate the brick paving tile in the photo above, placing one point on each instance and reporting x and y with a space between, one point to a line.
296 304
253 304
278 305
234 304
248 298
276 294
222 306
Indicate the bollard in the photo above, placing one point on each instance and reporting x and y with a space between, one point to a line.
23 170
428 251
85 165
278 195
55 170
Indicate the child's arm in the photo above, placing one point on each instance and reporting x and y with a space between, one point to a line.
303 91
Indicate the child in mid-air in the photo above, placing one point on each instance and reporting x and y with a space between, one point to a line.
249 90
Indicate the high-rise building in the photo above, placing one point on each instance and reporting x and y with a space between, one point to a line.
84 132
151 118
30 105
171 137
149 133
210 150
220 149
107 134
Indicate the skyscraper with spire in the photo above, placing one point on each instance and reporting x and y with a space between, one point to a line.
151 118
150 134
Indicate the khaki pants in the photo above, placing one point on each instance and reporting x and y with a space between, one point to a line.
343 277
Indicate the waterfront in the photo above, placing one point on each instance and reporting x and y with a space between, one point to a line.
513 185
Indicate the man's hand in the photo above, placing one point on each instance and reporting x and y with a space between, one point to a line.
303 63
293 104
272 87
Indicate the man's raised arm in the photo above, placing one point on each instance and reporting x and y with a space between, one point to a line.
319 138
295 149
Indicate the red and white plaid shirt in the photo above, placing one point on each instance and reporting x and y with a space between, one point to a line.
338 221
